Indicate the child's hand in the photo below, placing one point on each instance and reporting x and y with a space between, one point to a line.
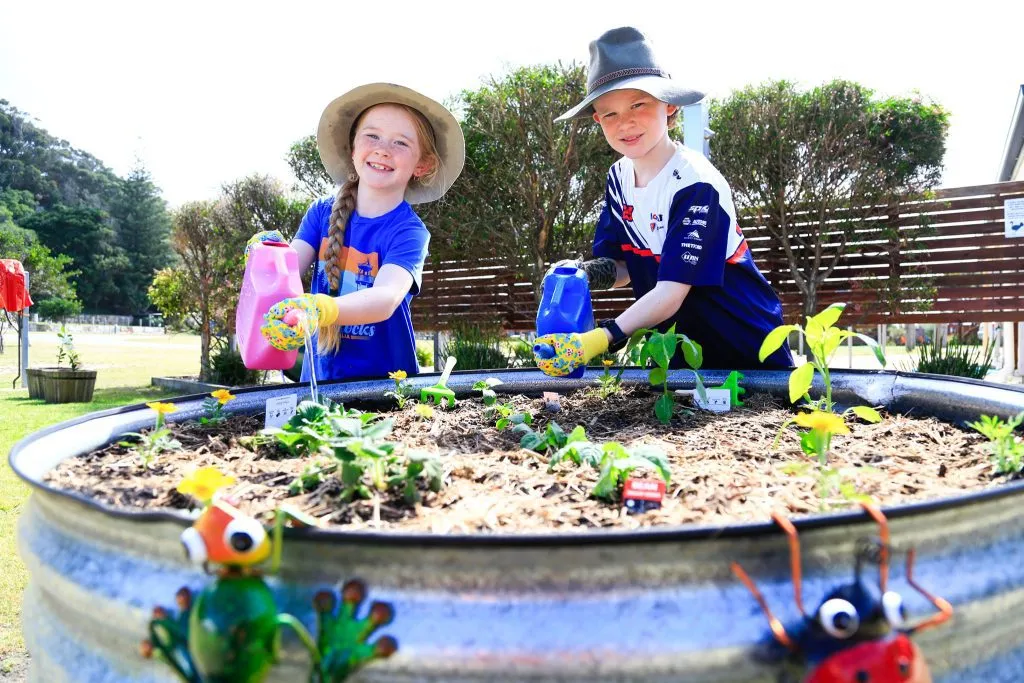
558 355
263 236
287 322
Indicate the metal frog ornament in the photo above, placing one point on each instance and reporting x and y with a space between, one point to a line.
230 631
859 633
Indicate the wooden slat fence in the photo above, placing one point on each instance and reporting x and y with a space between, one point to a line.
975 272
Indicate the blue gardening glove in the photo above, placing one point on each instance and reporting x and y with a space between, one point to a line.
558 355
263 236
286 324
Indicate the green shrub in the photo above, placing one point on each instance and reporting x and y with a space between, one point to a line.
57 308
521 354
226 367
476 348
953 358
424 356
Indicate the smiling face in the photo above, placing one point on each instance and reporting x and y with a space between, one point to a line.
633 122
386 149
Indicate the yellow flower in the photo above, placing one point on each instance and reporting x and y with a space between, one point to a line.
607 363
204 483
162 408
822 421
424 411
223 395
398 375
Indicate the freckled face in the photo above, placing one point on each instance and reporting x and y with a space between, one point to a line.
386 150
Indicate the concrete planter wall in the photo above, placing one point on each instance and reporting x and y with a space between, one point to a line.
656 605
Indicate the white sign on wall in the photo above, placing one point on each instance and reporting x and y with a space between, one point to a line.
1013 214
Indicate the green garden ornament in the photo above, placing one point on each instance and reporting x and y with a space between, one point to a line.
230 631
732 383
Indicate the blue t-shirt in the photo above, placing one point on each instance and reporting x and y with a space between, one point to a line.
398 237
682 227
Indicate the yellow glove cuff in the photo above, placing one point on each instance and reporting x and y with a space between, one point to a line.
328 308
594 343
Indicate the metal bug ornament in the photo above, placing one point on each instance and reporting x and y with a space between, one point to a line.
859 632
230 631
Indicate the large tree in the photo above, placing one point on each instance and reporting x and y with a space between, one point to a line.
818 167
87 237
532 187
143 228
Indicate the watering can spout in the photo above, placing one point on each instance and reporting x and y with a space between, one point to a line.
544 351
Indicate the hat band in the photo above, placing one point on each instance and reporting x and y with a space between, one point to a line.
622 73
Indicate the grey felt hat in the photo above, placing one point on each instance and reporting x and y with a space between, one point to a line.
622 59
334 135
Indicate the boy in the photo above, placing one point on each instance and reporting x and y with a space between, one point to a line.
668 226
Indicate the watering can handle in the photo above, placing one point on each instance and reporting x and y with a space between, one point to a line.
448 366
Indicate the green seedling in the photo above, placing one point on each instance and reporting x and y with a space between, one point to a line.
614 462
1007 449
822 340
157 441
418 464
484 386
402 388
552 439
660 348
439 394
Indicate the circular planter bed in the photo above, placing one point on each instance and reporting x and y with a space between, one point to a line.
512 572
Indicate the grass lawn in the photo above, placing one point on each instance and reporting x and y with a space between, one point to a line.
125 366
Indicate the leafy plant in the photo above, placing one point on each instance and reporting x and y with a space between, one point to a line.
505 416
552 438
816 443
608 383
148 446
1007 450
66 349
364 460
402 390
214 406
822 340
660 348
954 358
476 348
614 462
227 367
418 464
484 386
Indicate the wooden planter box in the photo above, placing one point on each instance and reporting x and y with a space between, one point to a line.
61 385
35 381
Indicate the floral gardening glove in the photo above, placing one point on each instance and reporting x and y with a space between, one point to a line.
263 236
286 324
558 355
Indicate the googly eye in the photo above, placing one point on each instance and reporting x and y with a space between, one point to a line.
839 618
195 548
895 611
243 535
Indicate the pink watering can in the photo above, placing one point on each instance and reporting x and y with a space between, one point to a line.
271 274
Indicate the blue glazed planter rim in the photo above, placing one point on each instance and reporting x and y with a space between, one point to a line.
660 534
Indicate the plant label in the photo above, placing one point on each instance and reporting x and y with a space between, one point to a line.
641 495
718 400
280 409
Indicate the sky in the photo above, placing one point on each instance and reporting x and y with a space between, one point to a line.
205 93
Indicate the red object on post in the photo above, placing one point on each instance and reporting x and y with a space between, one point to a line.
13 295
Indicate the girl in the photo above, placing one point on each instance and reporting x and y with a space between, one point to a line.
388 147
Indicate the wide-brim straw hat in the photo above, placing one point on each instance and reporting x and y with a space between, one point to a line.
334 136
622 59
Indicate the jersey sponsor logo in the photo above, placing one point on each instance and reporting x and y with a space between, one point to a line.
358 331
675 174
701 222
686 220
627 212
690 258
657 218
698 209
692 245
693 234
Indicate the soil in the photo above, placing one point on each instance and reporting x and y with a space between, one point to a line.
723 468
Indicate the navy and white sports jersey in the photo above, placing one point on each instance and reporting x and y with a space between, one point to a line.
682 227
